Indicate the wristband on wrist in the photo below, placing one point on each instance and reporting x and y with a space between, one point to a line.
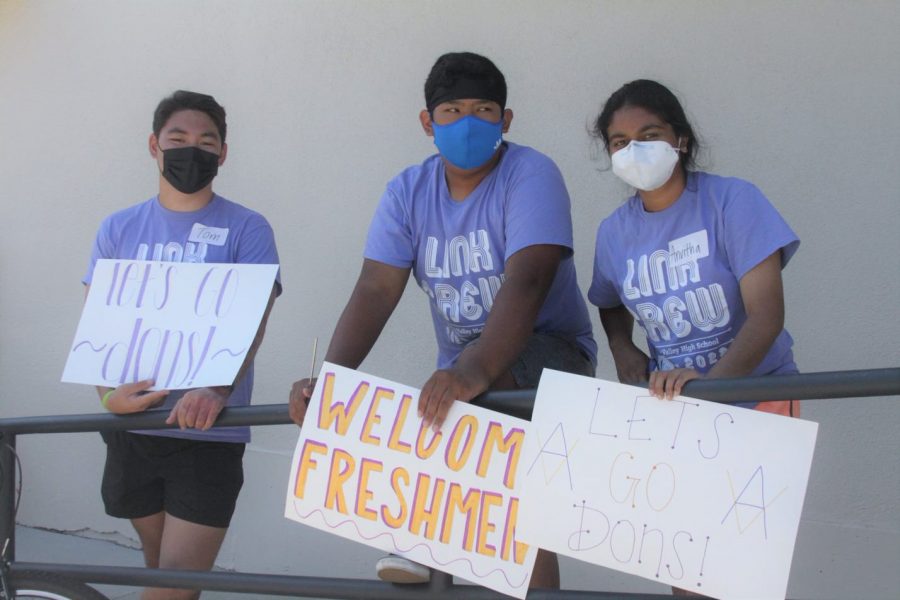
105 399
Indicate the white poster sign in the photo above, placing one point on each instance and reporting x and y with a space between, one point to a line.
183 325
702 496
365 469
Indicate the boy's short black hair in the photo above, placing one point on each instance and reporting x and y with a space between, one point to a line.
458 75
184 100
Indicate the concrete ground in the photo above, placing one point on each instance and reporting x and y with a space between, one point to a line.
37 545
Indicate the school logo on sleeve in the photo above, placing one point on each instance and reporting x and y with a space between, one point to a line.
214 236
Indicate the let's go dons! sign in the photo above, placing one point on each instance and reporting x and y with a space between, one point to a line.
697 495
365 469
184 325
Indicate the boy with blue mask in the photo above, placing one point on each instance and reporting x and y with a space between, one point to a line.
485 228
468 135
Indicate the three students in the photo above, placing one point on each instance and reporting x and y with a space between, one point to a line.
484 226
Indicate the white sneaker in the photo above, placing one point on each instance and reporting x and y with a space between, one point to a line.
397 569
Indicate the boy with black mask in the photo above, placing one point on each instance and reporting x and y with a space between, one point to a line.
179 486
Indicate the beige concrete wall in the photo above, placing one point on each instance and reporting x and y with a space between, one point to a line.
322 97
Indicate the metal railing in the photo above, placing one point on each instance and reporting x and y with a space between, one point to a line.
812 386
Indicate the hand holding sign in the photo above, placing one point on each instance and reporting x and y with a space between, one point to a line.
134 397
665 385
443 388
298 402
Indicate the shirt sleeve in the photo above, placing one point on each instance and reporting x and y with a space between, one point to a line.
753 230
538 209
104 247
603 292
390 238
257 246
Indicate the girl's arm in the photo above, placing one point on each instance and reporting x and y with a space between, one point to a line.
631 364
763 297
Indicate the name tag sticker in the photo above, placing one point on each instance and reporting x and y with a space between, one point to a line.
687 250
214 236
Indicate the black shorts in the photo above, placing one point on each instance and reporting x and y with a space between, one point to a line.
545 350
192 480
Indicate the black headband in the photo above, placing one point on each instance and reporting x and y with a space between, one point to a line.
480 89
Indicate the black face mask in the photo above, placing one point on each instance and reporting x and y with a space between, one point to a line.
189 169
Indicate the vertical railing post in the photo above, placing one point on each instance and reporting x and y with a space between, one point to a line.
440 581
7 495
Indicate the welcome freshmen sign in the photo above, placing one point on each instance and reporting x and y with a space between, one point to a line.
366 470
702 496
183 325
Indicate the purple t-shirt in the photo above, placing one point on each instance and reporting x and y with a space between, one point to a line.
149 231
678 270
458 250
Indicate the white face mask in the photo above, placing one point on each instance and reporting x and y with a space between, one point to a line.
645 165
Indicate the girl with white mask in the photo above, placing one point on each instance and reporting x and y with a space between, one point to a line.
695 258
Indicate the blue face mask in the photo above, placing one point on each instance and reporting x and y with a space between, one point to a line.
469 142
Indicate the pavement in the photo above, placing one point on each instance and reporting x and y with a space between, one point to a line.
38 545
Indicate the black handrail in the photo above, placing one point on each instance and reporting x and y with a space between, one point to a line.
811 386
439 588
518 403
